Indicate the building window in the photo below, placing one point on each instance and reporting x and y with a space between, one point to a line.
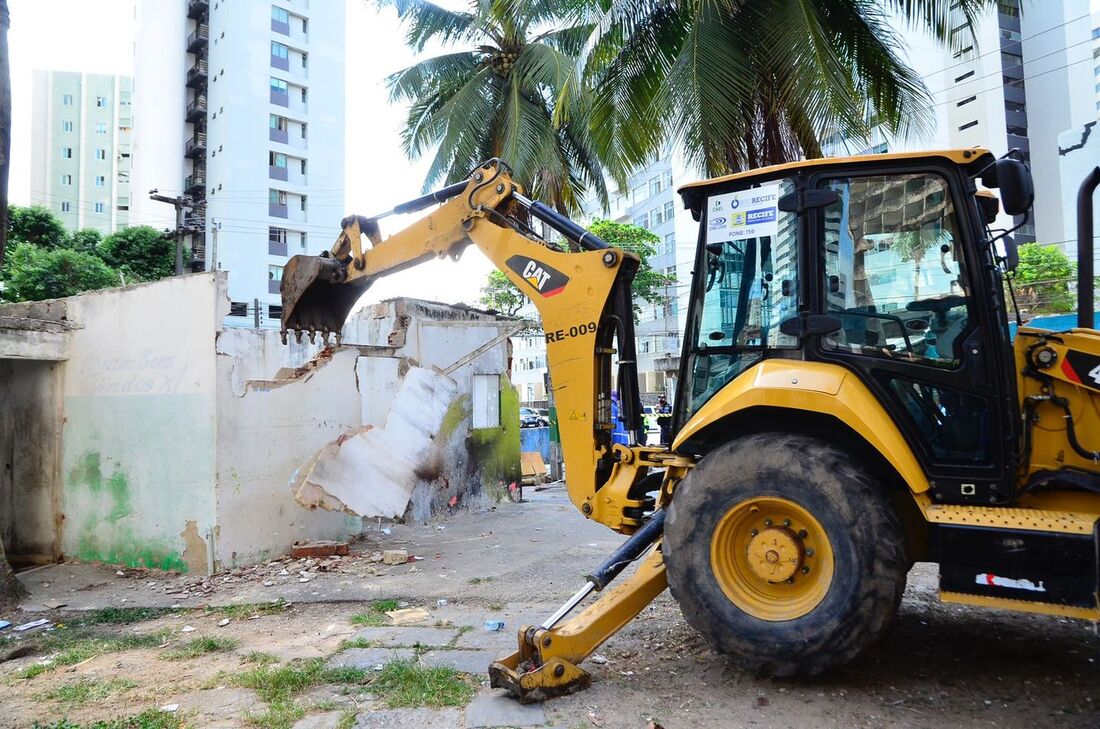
101 127
101 153
276 159
100 207
657 216
303 240
303 166
66 179
670 242
670 210
101 101
966 101
278 197
968 125
965 76
280 15
638 194
302 199
278 122
279 85
100 180
642 221
276 241
67 152
66 207
66 126
1010 59
278 50
67 99
655 186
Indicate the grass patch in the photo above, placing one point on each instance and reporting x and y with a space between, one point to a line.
247 610
357 643
479 580
405 684
123 615
347 720
260 658
275 684
71 646
496 606
375 616
88 691
149 719
462 630
199 647
279 715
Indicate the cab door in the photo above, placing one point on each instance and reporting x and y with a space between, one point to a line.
898 268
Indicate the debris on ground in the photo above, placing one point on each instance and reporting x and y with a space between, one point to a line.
494 626
408 616
324 548
40 623
395 556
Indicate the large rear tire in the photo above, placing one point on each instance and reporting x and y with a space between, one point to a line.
784 554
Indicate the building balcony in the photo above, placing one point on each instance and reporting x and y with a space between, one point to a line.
277 210
195 182
198 9
280 98
278 135
277 173
196 75
273 286
280 27
198 38
280 62
196 146
196 110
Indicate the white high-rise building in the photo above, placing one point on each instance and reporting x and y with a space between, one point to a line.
239 104
80 148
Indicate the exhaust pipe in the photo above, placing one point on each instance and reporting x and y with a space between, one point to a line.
1086 305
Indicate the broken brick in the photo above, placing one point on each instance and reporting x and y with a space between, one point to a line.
395 556
318 549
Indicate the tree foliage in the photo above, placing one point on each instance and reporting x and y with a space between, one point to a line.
1042 279
501 295
746 84
36 225
650 286
33 273
44 261
140 252
502 90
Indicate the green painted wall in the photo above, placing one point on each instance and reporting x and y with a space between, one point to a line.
135 470
495 451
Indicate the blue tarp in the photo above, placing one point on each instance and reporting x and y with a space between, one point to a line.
535 439
1054 322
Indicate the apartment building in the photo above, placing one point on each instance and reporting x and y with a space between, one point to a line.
80 148
244 115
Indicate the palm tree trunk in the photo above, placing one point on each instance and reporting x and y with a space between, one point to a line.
5 125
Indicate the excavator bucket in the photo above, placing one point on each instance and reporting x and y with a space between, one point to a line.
315 299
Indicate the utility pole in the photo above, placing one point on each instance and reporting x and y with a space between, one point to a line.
215 226
180 203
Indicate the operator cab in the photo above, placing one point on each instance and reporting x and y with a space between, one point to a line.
881 264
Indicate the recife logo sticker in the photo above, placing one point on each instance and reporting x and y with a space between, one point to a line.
543 278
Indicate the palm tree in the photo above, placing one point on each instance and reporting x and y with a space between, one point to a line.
499 93
747 83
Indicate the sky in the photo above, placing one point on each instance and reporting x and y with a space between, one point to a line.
97 36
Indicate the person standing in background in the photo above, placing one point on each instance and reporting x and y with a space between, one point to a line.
664 420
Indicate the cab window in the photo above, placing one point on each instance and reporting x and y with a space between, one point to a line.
749 271
894 273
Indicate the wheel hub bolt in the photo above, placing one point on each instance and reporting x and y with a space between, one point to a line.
805 570
790 580
809 552
767 522
753 533
802 534
786 522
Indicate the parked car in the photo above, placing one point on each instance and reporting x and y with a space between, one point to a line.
530 418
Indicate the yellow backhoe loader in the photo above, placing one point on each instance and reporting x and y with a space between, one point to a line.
850 400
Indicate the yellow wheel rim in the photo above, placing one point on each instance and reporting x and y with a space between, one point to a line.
772 558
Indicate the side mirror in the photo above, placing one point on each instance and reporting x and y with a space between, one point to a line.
1012 253
1012 178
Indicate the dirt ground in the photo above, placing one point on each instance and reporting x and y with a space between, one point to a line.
939 666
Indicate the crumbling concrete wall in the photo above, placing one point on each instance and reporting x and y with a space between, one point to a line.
267 430
471 466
